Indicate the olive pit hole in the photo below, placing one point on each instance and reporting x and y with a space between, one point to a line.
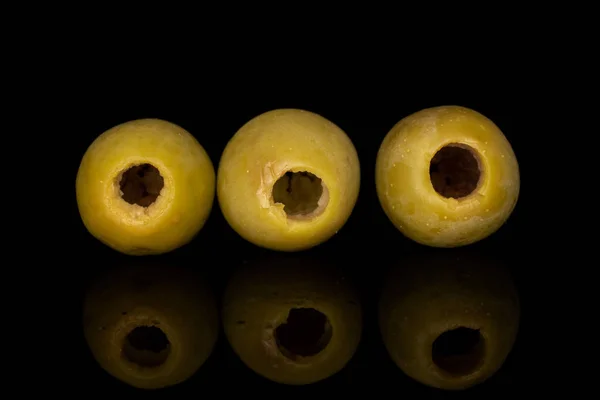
300 193
146 346
458 351
455 171
141 185
305 333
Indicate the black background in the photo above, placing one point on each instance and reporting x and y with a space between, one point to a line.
366 246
